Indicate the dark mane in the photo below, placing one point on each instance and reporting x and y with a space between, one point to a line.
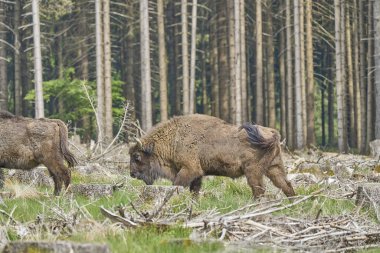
256 139
6 115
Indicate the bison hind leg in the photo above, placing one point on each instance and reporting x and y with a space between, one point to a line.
254 177
278 177
60 174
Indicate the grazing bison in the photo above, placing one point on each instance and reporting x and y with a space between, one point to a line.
26 143
186 148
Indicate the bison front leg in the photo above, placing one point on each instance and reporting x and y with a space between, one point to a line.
196 185
2 178
187 177
278 177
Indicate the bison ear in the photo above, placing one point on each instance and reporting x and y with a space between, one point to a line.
149 148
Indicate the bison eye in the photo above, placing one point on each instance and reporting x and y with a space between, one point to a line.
137 157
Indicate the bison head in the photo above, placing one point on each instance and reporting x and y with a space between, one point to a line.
144 164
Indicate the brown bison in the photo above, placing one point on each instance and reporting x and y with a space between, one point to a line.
26 143
186 148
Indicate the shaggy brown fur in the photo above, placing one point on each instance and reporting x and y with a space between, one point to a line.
26 143
186 148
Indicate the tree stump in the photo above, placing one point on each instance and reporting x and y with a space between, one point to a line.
375 148
159 192
369 193
92 190
38 177
55 247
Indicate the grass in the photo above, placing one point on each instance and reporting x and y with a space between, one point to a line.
221 194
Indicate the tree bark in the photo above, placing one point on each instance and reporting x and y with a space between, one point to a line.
303 74
270 70
376 18
363 94
39 106
214 63
107 72
357 80
282 67
223 61
185 58
259 65
244 97
231 60
193 56
350 82
310 75
17 55
298 77
3 61
162 61
370 88
289 81
146 101
130 38
99 68
342 141
238 73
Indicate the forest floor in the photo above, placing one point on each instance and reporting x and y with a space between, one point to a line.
114 209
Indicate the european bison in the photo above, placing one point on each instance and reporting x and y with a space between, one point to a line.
26 143
186 148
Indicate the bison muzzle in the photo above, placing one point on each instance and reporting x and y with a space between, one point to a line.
25 143
186 148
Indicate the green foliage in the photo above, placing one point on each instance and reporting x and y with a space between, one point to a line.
66 98
55 9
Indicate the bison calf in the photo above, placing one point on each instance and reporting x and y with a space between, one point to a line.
186 148
26 143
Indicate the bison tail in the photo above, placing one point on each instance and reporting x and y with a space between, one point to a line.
257 140
69 157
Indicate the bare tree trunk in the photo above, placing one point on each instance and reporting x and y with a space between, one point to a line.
238 119
310 75
107 72
223 61
130 38
232 60
17 55
185 58
99 68
146 99
357 80
298 77
3 61
289 81
342 141
259 65
376 18
270 69
303 75
162 61
363 94
370 88
331 104
39 107
283 80
193 55
350 94
244 96
214 64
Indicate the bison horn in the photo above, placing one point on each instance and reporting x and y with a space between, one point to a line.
138 141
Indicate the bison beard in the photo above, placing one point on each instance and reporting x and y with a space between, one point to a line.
187 148
25 143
